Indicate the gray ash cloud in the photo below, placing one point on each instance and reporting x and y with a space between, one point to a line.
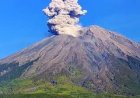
64 16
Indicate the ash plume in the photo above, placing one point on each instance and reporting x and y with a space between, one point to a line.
64 16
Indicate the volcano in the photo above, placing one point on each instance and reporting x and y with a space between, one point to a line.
98 60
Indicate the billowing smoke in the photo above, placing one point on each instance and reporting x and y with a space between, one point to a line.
64 16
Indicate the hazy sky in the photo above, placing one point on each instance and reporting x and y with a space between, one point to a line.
23 23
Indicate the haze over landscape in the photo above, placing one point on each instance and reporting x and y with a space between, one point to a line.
26 24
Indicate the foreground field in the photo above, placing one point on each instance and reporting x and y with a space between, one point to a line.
61 96
64 88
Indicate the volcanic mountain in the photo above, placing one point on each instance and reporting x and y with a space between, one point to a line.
99 60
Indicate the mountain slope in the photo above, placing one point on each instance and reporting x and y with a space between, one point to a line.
99 60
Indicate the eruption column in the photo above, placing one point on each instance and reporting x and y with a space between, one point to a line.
64 16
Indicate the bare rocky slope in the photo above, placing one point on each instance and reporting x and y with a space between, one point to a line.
99 60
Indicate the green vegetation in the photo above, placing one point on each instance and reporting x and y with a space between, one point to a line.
5 68
13 70
43 95
64 88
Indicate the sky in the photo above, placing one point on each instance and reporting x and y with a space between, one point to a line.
22 22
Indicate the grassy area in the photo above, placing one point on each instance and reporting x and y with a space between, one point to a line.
43 95
26 88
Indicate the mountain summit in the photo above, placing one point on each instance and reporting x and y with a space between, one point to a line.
98 60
